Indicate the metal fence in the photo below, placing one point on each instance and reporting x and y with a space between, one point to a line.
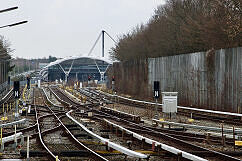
4 69
3 88
210 80
131 78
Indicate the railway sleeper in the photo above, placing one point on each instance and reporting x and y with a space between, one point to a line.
104 130
71 125
131 141
105 136
74 129
79 153
83 136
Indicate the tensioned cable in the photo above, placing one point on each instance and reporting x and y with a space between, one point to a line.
111 37
94 45
99 36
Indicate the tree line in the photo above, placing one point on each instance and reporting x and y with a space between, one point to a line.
5 49
183 26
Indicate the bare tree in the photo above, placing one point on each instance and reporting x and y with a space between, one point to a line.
183 26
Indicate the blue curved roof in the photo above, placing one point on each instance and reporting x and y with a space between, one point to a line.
74 58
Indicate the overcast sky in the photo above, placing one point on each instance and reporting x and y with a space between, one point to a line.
70 27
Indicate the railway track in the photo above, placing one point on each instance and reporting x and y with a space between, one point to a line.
179 133
72 103
176 132
175 142
168 139
7 97
199 114
65 99
63 138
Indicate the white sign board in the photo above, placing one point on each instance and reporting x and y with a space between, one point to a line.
16 114
75 86
156 94
90 114
16 94
29 109
169 100
39 83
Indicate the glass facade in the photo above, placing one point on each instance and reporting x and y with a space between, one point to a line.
81 69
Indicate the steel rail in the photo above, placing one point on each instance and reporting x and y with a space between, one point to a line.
107 142
217 116
57 97
29 128
13 123
184 153
180 134
8 94
207 128
179 107
120 119
40 136
95 155
163 146
175 140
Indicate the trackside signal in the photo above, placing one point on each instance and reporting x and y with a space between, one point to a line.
16 89
28 82
156 89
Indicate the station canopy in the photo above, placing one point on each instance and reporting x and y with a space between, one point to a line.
76 68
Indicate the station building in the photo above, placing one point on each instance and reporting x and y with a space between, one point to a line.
76 69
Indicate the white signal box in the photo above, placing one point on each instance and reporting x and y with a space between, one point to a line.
38 83
169 100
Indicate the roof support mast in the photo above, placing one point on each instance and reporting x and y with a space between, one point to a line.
103 43
101 70
102 73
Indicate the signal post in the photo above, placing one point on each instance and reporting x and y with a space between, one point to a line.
16 96
156 95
